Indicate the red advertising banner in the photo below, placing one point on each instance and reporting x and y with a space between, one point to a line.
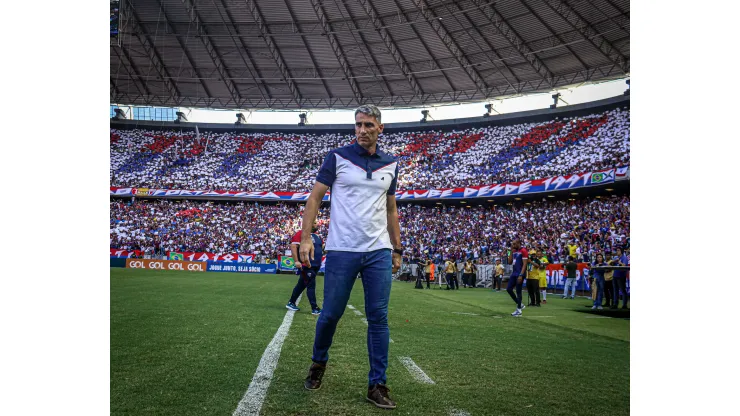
124 254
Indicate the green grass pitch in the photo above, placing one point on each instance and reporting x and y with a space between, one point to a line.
188 344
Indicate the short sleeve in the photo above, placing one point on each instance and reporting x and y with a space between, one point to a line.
296 238
394 183
328 171
525 254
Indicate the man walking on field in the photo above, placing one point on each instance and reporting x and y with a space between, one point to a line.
364 237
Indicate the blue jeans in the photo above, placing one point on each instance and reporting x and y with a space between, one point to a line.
341 272
599 280
510 288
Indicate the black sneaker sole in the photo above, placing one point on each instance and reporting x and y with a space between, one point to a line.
382 406
309 389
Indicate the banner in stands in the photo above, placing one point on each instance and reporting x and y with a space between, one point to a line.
557 183
286 262
222 266
191 266
294 196
556 277
199 256
118 254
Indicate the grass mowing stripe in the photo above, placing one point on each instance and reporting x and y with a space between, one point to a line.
415 371
251 403
459 412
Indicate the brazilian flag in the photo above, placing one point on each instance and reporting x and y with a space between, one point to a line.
176 256
287 263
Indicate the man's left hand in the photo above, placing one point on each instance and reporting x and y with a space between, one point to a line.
396 262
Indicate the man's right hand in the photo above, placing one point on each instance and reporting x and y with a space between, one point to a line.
306 251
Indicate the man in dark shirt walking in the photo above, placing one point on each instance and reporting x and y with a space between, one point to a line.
571 278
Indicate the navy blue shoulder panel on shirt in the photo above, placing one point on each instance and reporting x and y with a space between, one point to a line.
359 157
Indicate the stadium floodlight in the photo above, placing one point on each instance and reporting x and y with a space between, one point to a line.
627 91
555 98
304 118
181 117
240 119
424 113
120 115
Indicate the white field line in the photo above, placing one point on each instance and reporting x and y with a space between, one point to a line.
351 307
465 313
251 403
358 313
415 371
459 412
542 316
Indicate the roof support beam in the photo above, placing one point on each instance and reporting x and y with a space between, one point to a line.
375 67
514 40
337 49
426 47
184 50
308 50
391 46
261 87
452 46
274 51
136 76
491 48
151 51
550 29
589 33
212 51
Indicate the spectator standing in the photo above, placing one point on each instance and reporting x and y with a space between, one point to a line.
620 279
498 276
598 275
451 275
571 268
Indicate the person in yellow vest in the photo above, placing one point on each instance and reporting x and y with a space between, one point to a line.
428 270
533 279
451 275
498 276
468 277
543 275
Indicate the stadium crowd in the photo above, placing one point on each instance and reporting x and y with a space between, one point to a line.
428 159
580 228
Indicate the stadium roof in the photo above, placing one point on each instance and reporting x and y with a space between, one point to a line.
296 54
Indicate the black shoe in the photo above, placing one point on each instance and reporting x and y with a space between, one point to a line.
378 395
625 307
315 374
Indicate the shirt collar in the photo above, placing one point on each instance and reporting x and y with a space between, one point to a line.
362 152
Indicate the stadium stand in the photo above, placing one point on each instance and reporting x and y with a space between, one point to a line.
158 226
429 159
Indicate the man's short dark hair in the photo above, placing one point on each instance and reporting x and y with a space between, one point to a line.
370 110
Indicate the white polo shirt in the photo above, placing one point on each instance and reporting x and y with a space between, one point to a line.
360 184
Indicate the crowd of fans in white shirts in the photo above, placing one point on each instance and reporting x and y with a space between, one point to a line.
440 232
428 159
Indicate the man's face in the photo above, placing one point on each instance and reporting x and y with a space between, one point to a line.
367 130
516 245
